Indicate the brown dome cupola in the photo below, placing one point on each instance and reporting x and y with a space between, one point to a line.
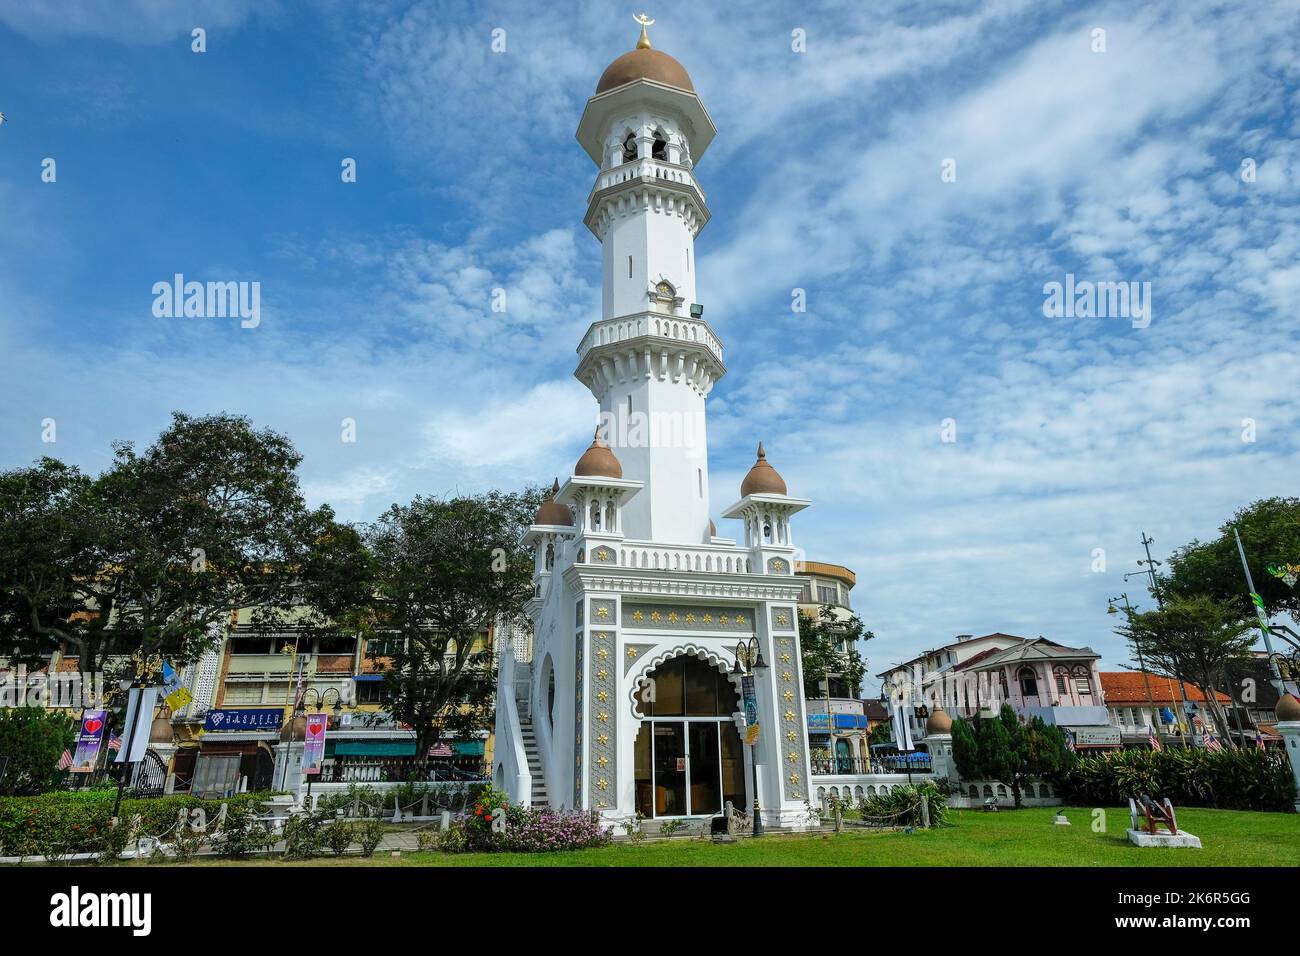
762 478
598 461
551 511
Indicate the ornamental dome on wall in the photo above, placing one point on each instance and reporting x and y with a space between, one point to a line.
598 461
551 511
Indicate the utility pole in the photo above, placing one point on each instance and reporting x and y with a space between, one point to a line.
1146 677
1274 672
1151 564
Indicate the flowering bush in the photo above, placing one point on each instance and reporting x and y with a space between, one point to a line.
493 825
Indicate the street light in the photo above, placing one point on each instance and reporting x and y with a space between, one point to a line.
320 698
1146 678
749 659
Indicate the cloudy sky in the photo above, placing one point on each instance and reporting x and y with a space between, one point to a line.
1171 156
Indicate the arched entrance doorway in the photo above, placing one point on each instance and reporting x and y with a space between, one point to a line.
689 759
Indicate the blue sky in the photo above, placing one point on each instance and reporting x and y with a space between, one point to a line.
924 297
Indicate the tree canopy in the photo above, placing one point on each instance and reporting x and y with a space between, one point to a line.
1007 749
829 647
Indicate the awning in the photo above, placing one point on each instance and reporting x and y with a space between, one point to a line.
374 748
467 748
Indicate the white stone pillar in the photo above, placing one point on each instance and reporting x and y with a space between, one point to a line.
1290 731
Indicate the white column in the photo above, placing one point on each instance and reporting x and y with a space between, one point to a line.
1290 731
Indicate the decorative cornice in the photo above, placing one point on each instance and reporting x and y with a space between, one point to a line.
739 587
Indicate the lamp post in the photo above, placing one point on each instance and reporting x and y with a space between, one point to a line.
920 713
749 660
320 698
1146 678
144 673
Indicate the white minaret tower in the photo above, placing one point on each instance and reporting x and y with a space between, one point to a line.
651 360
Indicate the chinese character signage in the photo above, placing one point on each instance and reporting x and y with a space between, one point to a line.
256 718
89 739
313 747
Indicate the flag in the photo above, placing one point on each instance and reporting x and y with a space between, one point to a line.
66 760
1212 741
1069 740
1259 740
115 742
1152 739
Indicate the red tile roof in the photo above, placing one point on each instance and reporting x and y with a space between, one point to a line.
1128 687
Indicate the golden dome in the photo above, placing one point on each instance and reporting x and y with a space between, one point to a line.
551 511
939 722
1288 708
598 461
762 478
644 64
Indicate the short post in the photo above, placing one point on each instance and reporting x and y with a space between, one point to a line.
925 812
445 823
839 817
424 804
397 810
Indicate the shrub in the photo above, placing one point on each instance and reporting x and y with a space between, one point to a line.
338 836
243 834
368 833
901 806
114 839
304 834
1230 779
33 739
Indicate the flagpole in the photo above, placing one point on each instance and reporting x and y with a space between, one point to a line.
1256 600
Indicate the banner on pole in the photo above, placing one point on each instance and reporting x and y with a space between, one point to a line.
313 748
139 721
89 739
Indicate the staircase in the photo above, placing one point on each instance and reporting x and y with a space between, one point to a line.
540 796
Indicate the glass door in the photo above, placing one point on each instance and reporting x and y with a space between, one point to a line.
670 769
705 768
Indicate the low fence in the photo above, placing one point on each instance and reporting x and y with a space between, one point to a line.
398 770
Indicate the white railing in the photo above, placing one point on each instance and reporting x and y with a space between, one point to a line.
638 554
660 324
648 169
511 773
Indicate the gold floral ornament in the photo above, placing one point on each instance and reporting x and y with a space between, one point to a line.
786 658
708 619
638 616
789 715
793 778
792 756
602 612
740 619
655 616
602 653
602 555
672 617
602 761
791 736
602 717
789 696
690 617
602 695
602 739
602 673
778 565
782 620
631 653
602 784
787 676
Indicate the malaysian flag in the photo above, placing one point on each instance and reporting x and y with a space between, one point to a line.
66 760
1153 740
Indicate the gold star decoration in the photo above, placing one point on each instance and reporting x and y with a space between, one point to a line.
789 696
782 620
602 554
791 736
786 658
637 616
792 756
793 778
778 565
708 619
603 653
602 695
602 673
602 761
789 715
740 619
786 676
602 716
602 612
631 652
655 616
783 641
602 784
605 806
690 617
602 739
672 617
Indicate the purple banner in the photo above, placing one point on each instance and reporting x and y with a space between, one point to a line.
89 740
313 747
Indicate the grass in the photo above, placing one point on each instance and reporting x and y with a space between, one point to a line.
1010 838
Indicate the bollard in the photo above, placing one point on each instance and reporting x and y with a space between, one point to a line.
397 810
925 812
839 817
424 804
445 823
356 805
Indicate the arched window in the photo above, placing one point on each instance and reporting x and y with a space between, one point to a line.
629 147
1082 680
609 516
659 149
1028 682
595 516
550 556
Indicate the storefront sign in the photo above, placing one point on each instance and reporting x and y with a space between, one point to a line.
1096 736
258 718
89 740
313 747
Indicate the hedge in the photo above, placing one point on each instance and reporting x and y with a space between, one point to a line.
1229 779
62 823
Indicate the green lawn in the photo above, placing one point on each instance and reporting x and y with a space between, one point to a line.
1010 838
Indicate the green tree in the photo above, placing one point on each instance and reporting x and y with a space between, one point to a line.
1194 639
33 739
1270 532
1007 749
157 551
828 645
445 571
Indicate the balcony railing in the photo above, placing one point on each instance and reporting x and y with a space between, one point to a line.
399 770
917 762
